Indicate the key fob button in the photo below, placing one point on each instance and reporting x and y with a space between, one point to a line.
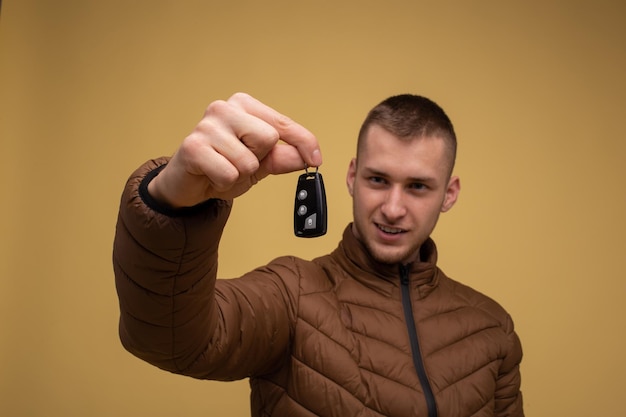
310 222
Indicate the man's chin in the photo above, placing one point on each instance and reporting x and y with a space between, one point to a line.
385 254
388 257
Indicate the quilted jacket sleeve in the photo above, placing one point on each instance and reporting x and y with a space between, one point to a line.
174 314
508 395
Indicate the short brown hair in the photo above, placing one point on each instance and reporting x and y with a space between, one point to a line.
409 116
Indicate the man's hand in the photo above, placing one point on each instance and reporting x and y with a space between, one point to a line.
237 143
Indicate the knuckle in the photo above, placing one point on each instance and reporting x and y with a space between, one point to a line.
239 97
225 180
270 137
217 107
207 126
283 122
247 164
192 143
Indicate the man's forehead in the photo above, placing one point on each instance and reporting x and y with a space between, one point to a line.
417 158
378 142
383 141
379 134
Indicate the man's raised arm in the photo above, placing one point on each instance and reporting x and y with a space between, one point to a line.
171 218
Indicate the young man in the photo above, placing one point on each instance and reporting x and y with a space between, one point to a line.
375 328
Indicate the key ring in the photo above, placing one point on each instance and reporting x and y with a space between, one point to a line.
306 169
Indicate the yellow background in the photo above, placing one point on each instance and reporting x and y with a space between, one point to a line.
90 89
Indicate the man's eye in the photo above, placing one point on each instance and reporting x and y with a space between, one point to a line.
377 180
417 186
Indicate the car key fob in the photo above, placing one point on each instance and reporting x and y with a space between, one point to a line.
309 217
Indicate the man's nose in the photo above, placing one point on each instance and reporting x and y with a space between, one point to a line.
394 208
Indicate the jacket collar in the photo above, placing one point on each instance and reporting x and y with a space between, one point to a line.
354 257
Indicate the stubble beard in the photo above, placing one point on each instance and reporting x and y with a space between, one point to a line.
388 257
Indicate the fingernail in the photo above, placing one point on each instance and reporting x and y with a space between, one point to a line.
316 157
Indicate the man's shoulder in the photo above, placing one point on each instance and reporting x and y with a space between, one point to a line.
471 297
313 275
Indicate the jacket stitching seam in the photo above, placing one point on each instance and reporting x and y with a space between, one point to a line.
173 303
349 353
341 387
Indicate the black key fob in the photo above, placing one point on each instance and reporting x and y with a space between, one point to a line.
309 216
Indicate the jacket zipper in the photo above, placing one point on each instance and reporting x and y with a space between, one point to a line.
415 348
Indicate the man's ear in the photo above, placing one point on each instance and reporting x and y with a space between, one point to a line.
350 177
452 194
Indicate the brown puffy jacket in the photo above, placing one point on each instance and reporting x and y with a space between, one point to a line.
340 335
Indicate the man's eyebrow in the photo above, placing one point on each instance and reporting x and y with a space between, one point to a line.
378 173
422 179
372 171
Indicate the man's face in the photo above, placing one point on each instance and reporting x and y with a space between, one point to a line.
398 190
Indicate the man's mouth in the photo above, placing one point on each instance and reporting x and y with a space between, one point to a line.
390 230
